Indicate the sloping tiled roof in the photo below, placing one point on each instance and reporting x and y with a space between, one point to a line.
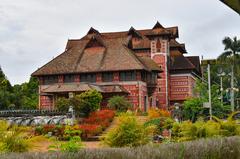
195 61
181 63
175 44
81 87
113 53
115 56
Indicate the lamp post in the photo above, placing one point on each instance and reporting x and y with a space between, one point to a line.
209 104
221 73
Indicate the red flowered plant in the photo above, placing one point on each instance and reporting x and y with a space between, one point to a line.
48 128
102 117
90 130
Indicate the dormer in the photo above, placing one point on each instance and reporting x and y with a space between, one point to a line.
135 39
95 41
134 33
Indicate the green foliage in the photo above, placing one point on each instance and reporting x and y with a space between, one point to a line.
73 145
119 103
193 107
22 96
160 124
62 104
85 102
89 101
70 133
128 133
12 139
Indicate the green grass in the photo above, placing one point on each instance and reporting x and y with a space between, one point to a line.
214 148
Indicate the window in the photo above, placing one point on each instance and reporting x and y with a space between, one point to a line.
69 78
143 76
107 77
88 78
50 80
128 76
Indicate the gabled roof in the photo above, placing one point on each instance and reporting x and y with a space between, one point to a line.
195 61
92 31
115 56
82 87
134 32
157 25
181 64
176 45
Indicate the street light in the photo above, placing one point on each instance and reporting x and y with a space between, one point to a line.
221 73
209 104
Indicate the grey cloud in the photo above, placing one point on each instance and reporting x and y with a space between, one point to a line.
32 32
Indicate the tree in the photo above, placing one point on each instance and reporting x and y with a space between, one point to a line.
232 51
193 107
84 103
119 103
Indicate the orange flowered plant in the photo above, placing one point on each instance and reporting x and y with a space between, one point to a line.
157 113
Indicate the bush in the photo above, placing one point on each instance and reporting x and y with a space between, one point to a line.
128 133
157 113
160 124
12 139
90 101
89 130
119 103
62 104
102 117
85 103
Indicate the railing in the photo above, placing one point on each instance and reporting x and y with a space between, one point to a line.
20 113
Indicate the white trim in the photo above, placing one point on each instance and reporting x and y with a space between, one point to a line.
185 74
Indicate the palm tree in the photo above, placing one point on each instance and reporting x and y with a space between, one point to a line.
232 52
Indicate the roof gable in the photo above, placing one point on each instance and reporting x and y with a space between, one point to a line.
157 26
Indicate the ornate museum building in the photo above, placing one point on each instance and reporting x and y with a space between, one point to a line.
147 66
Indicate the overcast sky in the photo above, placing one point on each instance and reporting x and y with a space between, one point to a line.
32 32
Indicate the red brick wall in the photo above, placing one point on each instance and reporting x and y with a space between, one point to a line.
181 87
46 102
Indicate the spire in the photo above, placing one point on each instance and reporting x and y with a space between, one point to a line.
157 26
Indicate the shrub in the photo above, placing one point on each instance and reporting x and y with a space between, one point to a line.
157 113
73 145
12 139
62 104
89 101
70 132
119 103
128 133
160 124
85 102
102 117
89 130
